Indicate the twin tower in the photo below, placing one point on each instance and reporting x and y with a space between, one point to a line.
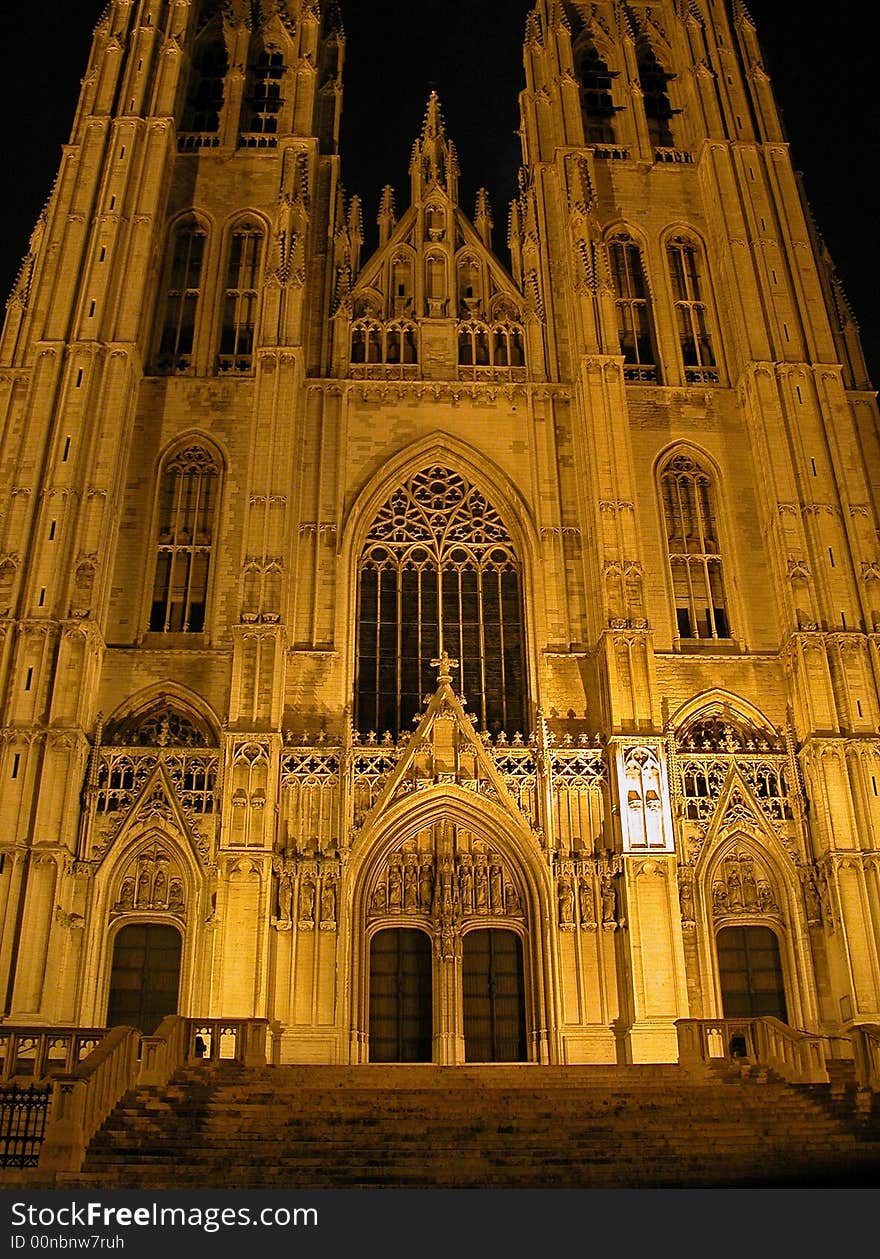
444 657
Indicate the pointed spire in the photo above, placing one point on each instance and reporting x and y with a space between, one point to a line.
483 217
387 219
355 232
433 127
434 159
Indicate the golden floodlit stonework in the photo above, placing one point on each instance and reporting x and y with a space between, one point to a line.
444 660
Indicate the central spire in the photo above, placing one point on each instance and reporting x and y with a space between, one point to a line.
434 160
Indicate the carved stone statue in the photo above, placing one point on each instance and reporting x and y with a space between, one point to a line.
328 906
566 902
306 900
285 898
426 887
609 901
395 889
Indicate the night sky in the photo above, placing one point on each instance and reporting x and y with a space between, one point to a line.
472 54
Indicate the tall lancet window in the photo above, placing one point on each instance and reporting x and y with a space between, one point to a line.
438 572
694 551
241 299
658 110
596 101
188 491
264 96
632 302
692 320
182 295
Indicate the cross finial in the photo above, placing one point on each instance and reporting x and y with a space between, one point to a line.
445 664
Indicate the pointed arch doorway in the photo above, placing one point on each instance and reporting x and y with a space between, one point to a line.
493 985
401 1005
145 977
750 972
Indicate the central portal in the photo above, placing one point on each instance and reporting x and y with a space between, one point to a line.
400 996
494 997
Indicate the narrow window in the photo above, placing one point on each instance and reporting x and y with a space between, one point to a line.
16 761
264 95
240 302
188 490
698 355
597 103
693 549
182 294
658 111
206 87
633 304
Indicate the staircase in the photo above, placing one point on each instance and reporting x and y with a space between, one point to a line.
528 1126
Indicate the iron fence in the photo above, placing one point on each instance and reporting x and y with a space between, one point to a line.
23 1113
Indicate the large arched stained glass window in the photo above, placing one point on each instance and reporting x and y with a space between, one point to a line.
438 572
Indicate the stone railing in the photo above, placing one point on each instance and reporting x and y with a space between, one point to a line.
798 1057
38 1053
866 1052
83 1098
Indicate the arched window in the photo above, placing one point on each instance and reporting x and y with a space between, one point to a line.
658 111
438 572
694 553
596 100
633 304
691 317
204 102
241 299
263 102
188 491
183 290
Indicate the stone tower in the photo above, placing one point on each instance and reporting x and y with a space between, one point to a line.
444 660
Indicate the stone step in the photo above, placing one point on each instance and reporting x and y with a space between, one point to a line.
426 1126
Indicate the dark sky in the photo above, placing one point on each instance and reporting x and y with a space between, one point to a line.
472 54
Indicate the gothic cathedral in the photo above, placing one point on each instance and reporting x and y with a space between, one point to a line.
441 658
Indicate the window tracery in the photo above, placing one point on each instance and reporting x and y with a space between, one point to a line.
632 301
653 81
188 490
393 343
597 103
490 345
691 313
183 290
205 99
694 550
263 102
241 299
438 571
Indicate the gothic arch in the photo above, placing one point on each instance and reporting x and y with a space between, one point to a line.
177 695
726 550
144 852
440 813
717 702
483 474
195 448
724 896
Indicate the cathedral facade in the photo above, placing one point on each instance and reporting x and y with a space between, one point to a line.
444 660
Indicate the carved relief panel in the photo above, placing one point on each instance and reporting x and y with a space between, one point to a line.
152 881
447 875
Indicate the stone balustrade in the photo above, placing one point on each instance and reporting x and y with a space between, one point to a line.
38 1053
798 1057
